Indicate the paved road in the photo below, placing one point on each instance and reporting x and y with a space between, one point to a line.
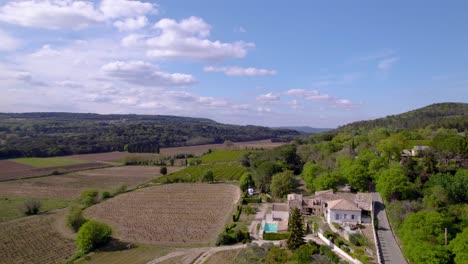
389 250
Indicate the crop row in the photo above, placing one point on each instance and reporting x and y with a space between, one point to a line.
228 171
223 156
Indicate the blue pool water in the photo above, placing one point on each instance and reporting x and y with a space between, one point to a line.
271 228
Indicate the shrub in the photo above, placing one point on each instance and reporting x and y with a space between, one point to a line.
92 235
304 253
105 195
358 240
326 251
31 207
248 210
89 197
121 189
276 236
75 218
163 170
208 177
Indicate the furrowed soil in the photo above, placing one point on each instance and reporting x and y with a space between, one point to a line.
169 214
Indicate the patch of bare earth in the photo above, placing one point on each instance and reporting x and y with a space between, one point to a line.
169 214
34 239
8 173
69 186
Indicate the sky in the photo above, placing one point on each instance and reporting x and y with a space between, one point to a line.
269 63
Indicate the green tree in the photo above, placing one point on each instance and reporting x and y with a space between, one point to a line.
393 184
208 176
392 146
246 181
328 181
310 172
282 183
92 235
358 176
263 174
296 228
422 236
163 170
459 247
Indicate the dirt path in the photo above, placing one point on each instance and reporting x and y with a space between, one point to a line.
258 220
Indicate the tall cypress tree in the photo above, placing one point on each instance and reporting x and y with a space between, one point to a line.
295 226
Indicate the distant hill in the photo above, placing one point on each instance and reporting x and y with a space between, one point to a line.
56 134
448 115
307 129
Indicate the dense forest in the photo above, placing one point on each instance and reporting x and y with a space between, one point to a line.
56 134
425 191
446 115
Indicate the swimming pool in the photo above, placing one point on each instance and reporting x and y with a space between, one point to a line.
271 228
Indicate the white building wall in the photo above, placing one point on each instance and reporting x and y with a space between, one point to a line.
340 216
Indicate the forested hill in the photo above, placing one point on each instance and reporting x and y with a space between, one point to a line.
55 134
447 115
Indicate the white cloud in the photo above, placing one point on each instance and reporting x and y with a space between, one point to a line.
125 8
268 98
240 30
51 14
239 71
146 74
387 63
313 95
69 14
187 39
263 109
131 24
8 42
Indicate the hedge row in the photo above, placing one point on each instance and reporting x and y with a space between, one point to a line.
252 200
276 236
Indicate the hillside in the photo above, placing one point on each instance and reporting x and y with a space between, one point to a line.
448 115
55 134
307 129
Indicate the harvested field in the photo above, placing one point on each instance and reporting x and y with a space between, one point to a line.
169 214
28 171
34 239
48 162
8 166
194 150
69 186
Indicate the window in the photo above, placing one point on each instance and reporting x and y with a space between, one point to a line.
352 217
337 217
345 216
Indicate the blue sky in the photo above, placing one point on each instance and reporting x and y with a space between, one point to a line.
272 63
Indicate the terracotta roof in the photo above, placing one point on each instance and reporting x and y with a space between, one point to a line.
343 204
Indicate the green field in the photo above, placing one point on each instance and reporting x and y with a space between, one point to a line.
10 206
227 171
223 156
48 162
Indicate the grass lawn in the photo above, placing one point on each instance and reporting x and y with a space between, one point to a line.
48 162
10 206
139 254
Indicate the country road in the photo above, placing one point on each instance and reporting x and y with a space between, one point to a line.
389 250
